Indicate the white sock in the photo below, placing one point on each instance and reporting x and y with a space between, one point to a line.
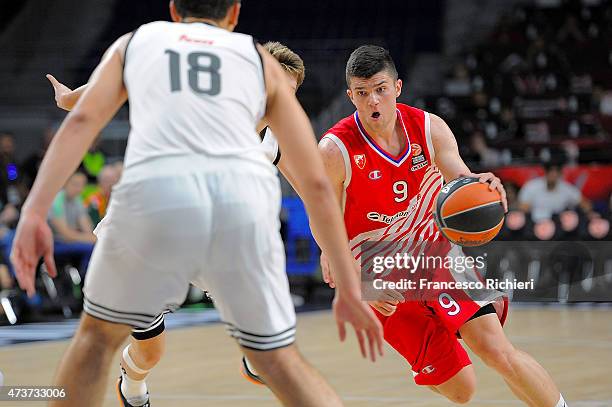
561 402
135 391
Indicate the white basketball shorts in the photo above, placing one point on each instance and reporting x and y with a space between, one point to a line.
207 221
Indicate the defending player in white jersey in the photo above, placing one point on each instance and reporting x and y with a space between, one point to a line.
147 345
198 202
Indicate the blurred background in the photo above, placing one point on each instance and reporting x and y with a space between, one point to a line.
526 86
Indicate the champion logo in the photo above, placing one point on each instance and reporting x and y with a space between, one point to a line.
428 369
376 174
360 160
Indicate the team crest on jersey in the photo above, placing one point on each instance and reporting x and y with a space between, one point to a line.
360 160
418 158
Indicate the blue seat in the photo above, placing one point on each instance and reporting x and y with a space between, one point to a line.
301 249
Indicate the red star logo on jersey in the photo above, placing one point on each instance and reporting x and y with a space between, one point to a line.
360 160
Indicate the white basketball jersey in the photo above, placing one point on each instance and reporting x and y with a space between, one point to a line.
193 88
269 145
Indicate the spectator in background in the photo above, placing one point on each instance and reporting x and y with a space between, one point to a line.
10 194
570 33
6 279
550 195
31 164
459 83
72 227
508 126
544 57
93 162
511 195
119 167
8 217
10 185
97 202
7 153
486 157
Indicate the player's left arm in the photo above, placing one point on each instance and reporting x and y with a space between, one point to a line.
67 98
450 163
85 223
104 95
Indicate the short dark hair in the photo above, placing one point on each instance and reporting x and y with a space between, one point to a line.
213 9
368 60
551 165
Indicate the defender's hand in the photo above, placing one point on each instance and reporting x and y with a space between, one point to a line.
33 240
349 308
61 92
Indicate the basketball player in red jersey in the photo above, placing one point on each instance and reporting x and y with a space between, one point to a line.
387 162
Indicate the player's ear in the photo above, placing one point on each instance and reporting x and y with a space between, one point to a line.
398 87
174 15
349 93
234 13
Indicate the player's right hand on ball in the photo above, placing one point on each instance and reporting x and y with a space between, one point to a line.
349 308
61 91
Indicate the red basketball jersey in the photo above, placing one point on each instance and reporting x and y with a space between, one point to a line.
388 199
388 209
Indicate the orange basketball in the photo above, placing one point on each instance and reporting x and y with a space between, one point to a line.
468 213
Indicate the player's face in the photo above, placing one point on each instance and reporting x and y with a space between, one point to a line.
75 185
375 99
552 176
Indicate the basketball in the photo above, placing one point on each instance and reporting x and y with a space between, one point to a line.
468 213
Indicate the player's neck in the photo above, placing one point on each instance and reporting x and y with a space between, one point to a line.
386 135
202 20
